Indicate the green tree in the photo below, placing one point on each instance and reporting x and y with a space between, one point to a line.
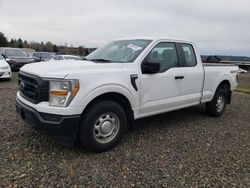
80 50
3 40
11 43
15 43
25 44
55 49
48 47
212 59
20 43
35 45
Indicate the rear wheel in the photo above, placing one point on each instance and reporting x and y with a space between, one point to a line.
218 104
103 126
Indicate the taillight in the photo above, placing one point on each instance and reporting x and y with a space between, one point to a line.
237 78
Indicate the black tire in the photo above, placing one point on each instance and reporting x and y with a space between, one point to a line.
99 118
217 106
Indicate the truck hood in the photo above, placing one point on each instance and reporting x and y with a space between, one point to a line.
62 68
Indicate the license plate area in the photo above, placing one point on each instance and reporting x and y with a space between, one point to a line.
23 115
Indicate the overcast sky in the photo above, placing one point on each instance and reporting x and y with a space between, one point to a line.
217 26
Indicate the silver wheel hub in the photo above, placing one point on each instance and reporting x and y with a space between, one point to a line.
220 103
106 127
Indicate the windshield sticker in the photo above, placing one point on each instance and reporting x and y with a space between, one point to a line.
134 47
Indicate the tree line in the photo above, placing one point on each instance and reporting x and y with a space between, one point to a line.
63 49
41 46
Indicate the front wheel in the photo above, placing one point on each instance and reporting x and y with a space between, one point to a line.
218 104
103 126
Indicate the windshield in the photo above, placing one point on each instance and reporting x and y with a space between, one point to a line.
15 53
1 57
119 51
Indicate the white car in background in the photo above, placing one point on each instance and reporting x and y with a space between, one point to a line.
66 57
5 71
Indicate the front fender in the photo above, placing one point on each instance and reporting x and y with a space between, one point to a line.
109 88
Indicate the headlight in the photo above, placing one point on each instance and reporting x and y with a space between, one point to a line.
62 92
5 68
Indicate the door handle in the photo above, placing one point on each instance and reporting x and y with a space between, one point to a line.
179 77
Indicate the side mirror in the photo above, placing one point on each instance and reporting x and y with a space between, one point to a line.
150 67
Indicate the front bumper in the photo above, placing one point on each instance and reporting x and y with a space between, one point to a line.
63 128
16 66
5 73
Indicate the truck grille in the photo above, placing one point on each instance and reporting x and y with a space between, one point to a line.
33 88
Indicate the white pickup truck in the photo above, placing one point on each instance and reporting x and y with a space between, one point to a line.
96 100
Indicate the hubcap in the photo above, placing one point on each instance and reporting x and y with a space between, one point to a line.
220 103
106 127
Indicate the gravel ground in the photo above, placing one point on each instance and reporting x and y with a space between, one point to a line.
185 148
245 80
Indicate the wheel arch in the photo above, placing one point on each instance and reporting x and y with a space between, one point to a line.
119 98
225 84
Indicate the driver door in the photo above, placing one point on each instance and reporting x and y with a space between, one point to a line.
161 92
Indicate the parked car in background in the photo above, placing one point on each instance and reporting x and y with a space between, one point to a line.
42 56
66 57
82 57
29 51
16 57
5 71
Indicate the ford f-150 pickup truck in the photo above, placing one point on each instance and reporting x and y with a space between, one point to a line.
96 100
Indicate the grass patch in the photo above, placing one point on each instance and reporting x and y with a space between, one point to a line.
243 90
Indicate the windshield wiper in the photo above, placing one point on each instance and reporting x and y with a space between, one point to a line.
101 60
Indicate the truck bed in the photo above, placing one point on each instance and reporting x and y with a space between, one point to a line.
215 73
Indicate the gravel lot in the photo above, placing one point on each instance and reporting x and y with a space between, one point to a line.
245 80
185 148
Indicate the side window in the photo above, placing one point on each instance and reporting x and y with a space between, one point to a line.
189 55
60 57
56 57
165 54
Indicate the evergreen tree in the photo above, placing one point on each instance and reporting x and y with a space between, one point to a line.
48 47
55 49
11 43
3 40
213 59
25 44
20 43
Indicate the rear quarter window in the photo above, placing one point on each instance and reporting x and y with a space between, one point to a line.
189 55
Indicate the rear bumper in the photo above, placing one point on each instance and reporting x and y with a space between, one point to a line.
63 128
